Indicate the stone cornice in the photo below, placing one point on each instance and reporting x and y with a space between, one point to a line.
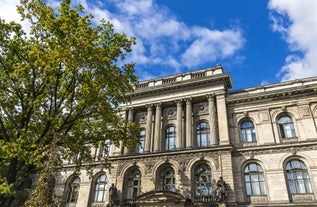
217 149
175 83
261 94
276 148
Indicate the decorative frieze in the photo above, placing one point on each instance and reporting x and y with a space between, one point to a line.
247 152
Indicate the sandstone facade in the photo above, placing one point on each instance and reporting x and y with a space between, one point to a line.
194 129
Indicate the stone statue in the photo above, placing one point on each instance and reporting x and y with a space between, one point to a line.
113 193
221 191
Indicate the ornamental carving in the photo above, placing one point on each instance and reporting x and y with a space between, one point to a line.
140 117
201 108
293 150
169 113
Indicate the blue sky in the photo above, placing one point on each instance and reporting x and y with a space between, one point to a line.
258 42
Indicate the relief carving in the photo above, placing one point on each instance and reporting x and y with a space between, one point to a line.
303 111
264 116
140 117
169 113
200 108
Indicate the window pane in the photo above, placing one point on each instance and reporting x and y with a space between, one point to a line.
247 131
248 188
134 183
256 188
203 135
203 180
254 179
262 186
297 175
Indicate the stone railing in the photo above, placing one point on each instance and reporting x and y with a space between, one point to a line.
180 77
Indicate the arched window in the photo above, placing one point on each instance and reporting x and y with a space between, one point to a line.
170 137
167 179
134 184
100 187
203 134
139 148
247 131
73 190
297 177
203 180
286 127
254 179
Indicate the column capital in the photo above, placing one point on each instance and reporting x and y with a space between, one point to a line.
188 100
179 102
158 105
149 106
130 108
211 96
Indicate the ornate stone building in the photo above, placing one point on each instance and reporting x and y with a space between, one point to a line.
194 130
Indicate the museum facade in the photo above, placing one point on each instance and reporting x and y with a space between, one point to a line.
195 131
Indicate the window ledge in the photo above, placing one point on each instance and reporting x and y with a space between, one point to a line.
257 199
98 204
302 197
249 144
289 140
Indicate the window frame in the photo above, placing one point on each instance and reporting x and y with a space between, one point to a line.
199 183
254 180
286 128
203 135
96 189
170 138
133 186
294 180
247 133
139 147
72 191
167 179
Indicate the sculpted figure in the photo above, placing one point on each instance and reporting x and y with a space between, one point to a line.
113 192
221 191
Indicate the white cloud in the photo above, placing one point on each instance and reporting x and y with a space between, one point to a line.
297 22
8 10
211 45
163 41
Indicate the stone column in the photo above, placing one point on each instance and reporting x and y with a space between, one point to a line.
179 124
130 119
148 129
222 119
213 119
189 141
157 130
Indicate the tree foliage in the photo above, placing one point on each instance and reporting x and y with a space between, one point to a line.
65 79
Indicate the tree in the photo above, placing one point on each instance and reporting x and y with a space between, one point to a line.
65 79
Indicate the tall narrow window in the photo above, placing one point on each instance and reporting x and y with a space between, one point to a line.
247 131
134 184
286 127
297 177
73 190
254 179
203 135
139 148
100 189
104 149
167 179
203 180
170 138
